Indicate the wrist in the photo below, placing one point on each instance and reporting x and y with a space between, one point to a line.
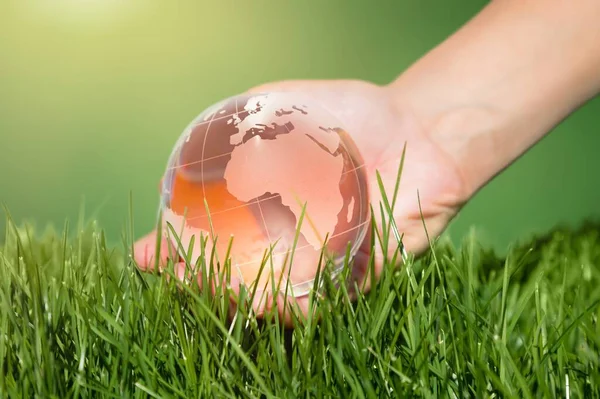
503 81
471 136
463 134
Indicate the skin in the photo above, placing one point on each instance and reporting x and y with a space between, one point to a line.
466 110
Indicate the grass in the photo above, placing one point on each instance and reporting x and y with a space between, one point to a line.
77 319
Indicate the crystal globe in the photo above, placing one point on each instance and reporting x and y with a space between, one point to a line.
271 182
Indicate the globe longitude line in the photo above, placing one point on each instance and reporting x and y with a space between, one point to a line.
258 202
262 216
354 168
202 165
241 275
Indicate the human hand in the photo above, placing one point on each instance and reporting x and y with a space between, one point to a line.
465 111
380 129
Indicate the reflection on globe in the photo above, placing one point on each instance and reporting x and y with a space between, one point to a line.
260 178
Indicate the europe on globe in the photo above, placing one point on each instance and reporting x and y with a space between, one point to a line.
268 179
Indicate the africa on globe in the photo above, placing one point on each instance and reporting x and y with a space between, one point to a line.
268 179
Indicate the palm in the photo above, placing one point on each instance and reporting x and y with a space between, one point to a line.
380 132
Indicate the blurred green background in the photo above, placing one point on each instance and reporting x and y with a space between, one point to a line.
94 93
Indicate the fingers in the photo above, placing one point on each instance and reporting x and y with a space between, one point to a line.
262 302
144 252
179 270
311 87
283 86
287 307
291 310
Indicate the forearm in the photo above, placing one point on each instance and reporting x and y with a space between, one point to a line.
505 79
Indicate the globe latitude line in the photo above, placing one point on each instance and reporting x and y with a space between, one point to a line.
229 154
202 165
357 185
310 245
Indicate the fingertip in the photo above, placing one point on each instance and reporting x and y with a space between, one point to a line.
144 251
179 269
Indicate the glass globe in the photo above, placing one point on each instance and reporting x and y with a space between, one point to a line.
268 179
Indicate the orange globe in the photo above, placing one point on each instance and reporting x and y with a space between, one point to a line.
270 181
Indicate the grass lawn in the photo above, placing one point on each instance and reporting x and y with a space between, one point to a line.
77 320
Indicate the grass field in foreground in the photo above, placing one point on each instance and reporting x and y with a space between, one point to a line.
77 320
